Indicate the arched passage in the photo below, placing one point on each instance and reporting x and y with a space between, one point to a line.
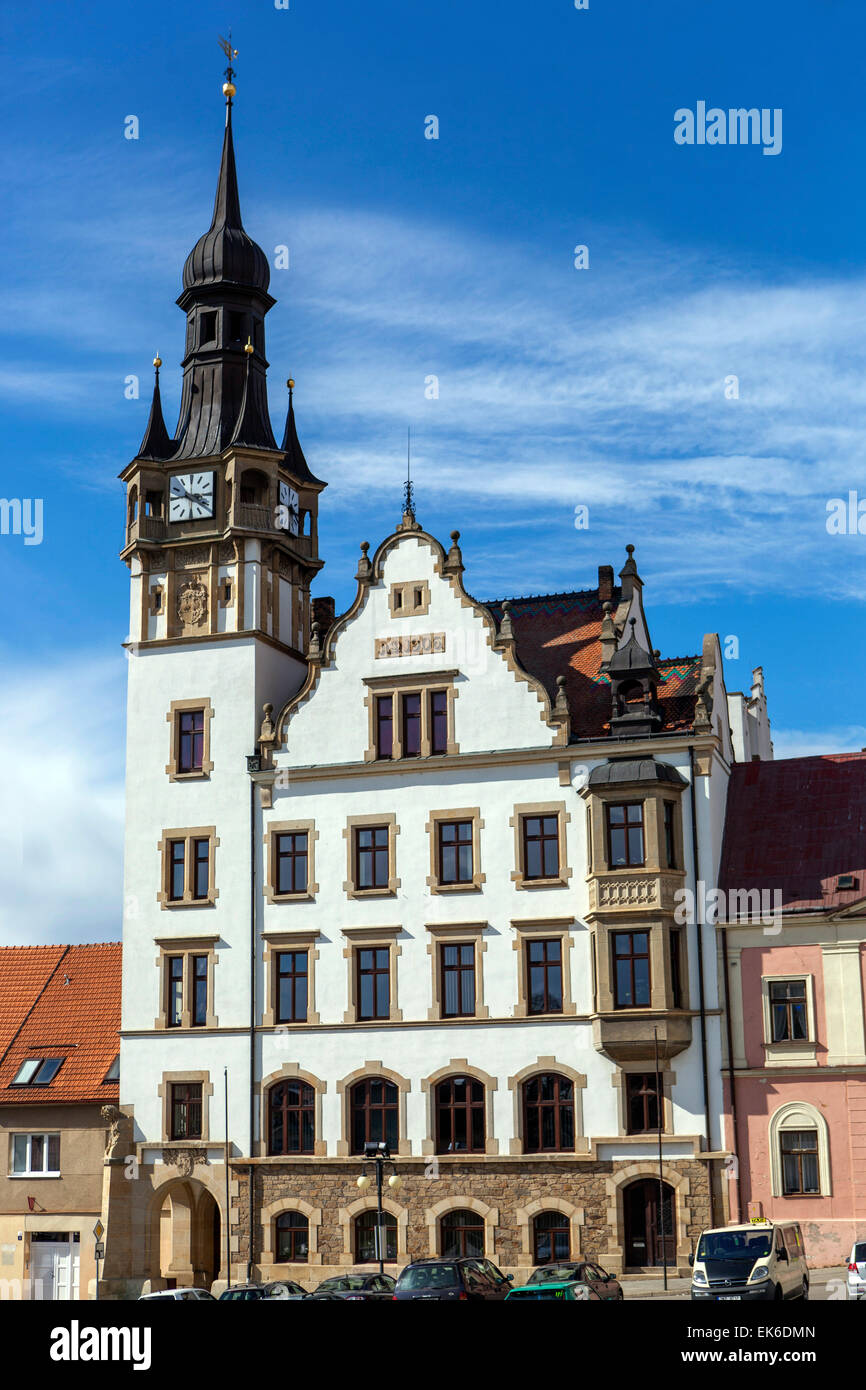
186 1242
648 1217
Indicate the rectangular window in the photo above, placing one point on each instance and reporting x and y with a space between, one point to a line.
186 1110
455 851
788 1016
799 1162
385 726
641 1102
374 982
544 974
207 324
540 847
676 968
190 740
36 1154
292 979
625 848
670 841
176 862
291 853
201 868
237 327
411 726
631 969
174 979
199 991
438 721
371 857
458 980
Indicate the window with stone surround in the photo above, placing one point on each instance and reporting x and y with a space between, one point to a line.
189 750
374 1113
460 1126
187 857
291 1118
540 850
551 1237
411 716
186 966
548 1114
292 1238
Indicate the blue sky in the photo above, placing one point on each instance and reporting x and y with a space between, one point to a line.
411 257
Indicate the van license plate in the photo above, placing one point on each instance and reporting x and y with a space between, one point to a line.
730 1297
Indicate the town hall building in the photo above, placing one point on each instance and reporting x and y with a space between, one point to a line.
406 874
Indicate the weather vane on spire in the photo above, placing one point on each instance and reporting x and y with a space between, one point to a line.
409 488
228 86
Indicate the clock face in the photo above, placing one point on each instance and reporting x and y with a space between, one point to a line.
190 496
290 515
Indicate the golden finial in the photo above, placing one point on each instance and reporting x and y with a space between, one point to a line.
248 346
290 383
157 361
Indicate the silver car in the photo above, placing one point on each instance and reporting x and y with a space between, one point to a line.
857 1271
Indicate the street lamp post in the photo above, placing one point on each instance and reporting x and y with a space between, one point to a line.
379 1154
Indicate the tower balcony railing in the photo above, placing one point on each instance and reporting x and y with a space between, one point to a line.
253 517
147 528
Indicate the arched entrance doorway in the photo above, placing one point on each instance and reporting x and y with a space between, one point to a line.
189 1246
645 1235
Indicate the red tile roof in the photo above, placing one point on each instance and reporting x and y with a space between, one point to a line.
560 634
796 825
60 1001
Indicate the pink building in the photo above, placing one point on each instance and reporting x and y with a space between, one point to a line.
795 1074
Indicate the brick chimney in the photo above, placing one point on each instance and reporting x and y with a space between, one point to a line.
605 583
324 609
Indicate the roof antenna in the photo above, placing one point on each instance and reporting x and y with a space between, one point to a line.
409 489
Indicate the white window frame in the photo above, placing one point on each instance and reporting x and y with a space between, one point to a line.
792 1052
29 1171
799 1114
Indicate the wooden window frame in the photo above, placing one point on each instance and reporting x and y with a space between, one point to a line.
188 835
305 1106
186 949
626 826
301 1223
478 1227
175 710
389 1221
557 1105
274 943
396 687
632 956
792 1051
546 929
375 971
462 813
366 938
294 976
368 1108
272 836
630 1078
460 969
355 823
800 1191
450 1108
546 967
528 810
561 1223
190 1101
455 934
164 1091
789 1003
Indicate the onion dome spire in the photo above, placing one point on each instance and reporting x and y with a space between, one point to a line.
293 460
156 443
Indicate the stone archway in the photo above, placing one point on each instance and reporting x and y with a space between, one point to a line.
186 1245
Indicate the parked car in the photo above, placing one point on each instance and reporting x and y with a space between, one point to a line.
463 1279
285 1288
364 1286
857 1271
569 1289
243 1293
600 1284
760 1260
180 1296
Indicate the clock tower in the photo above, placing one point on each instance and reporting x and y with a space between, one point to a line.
221 522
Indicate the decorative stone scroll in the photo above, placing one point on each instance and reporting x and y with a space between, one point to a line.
185 1160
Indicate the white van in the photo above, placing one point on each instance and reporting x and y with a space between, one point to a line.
761 1260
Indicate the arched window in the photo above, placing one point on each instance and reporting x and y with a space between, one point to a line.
133 505
548 1114
459 1115
462 1233
551 1237
291 1118
254 488
366 1249
799 1151
293 1238
373 1104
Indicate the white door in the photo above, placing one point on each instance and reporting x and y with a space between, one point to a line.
54 1268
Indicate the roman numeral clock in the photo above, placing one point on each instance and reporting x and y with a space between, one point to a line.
190 496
